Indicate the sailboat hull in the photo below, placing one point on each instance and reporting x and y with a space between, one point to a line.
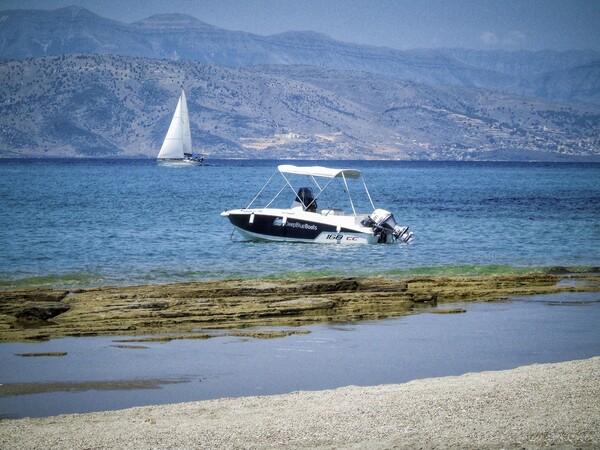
180 162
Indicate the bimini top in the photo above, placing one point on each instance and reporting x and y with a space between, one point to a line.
318 171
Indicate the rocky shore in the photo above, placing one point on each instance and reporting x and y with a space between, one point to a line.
539 406
187 310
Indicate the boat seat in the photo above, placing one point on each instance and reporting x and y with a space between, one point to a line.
332 212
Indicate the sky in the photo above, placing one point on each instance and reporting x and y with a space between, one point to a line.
400 24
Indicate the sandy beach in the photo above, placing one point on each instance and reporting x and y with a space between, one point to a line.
550 405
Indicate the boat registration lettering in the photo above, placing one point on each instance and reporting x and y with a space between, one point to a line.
340 237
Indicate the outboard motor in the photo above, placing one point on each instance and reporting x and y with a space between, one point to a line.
383 222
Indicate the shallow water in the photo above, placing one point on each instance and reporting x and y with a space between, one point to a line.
489 336
89 222
93 222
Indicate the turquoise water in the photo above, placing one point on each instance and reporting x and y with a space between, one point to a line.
88 222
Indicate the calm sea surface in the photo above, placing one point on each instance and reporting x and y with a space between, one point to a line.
88 222
489 336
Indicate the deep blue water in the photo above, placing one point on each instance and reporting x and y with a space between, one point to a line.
85 222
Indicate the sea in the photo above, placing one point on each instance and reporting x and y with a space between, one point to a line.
86 222
74 223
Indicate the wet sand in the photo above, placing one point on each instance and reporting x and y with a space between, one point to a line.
539 406
188 310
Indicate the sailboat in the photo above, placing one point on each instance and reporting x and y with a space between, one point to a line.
177 146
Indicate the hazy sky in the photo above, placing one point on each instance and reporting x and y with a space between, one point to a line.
402 24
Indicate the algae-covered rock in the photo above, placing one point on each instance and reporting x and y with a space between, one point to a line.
33 295
40 311
183 309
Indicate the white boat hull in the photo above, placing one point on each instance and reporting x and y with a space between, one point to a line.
300 226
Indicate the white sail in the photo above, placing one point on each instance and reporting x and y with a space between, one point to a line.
178 140
185 119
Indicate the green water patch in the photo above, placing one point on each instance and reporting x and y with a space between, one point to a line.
466 270
435 271
86 280
489 270
164 275
562 270
11 389
302 275
52 281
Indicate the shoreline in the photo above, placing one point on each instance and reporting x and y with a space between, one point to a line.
195 310
532 406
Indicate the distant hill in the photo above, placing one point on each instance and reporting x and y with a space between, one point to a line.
106 105
571 76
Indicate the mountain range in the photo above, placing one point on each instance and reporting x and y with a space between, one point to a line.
74 83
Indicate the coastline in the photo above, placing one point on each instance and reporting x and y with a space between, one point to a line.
188 310
528 407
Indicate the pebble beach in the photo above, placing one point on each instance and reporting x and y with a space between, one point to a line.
538 406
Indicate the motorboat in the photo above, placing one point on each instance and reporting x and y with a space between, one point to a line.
304 221
177 145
